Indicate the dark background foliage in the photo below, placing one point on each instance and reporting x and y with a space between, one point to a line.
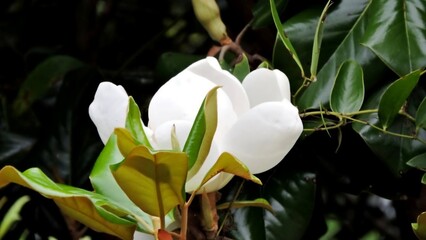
140 44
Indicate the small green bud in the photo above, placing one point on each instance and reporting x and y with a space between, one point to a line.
208 14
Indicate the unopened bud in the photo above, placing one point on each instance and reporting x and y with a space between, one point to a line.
208 14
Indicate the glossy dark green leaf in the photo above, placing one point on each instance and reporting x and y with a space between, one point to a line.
41 79
397 34
242 68
134 124
394 151
292 197
395 96
262 13
421 114
301 30
349 48
347 94
418 161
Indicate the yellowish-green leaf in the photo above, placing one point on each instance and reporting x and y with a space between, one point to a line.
229 164
82 209
12 215
104 183
200 138
125 141
86 207
153 181
258 202
420 227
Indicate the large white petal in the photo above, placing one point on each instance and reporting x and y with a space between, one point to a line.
264 135
210 68
109 109
162 135
178 99
264 85
181 98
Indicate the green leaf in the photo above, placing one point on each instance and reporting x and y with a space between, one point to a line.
229 164
317 41
394 151
258 202
104 183
418 161
242 68
153 181
198 143
319 91
285 40
347 94
41 79
419 227
293 200
397 34
12 215
421 114
86 207
301 30
134 124
395 96
292 196
262 16
125 141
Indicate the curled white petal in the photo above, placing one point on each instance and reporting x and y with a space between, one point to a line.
264 135
209 68
264 85
109 109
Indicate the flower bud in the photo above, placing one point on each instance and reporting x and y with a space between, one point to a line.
208 14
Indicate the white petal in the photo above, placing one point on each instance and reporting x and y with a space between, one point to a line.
178 99
264 85
181 98
213 184
162 135
109 109
264 135
210 68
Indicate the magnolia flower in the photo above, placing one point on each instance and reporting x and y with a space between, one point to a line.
256 121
